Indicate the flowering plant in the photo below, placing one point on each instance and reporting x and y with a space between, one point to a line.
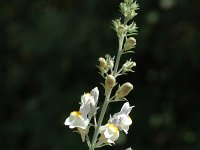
109 69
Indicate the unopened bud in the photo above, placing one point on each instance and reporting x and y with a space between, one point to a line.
120 29
132 28
110 64
132 14
124 90
102 63
110 82
128 66
130 43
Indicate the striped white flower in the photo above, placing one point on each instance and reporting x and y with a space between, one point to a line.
122 119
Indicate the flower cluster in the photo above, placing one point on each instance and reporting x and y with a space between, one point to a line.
119 122
109 69
80 119
88 109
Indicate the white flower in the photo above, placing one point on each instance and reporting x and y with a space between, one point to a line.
95 94
109 134
89 102
77 119
122 119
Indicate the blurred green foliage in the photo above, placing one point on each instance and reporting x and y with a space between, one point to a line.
48 52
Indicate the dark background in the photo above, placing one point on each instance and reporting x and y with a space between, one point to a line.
48 53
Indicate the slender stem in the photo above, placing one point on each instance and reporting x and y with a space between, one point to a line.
87 140
95 121
103 111
121 40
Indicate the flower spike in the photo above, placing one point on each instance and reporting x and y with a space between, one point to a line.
110 68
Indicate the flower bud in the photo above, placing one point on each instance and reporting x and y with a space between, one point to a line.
110 63
102 63
128 66
132 28
130 43
124 90
120 29
133 14
110 82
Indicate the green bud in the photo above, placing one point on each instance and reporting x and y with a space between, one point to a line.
129 44
121 29
110 62
128 8
124 90
132 14
132 28
123 9
110 82
128 66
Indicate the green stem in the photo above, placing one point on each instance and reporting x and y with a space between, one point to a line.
121 40
103 111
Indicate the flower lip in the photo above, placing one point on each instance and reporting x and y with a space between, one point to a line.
113 127
76 113
76 119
